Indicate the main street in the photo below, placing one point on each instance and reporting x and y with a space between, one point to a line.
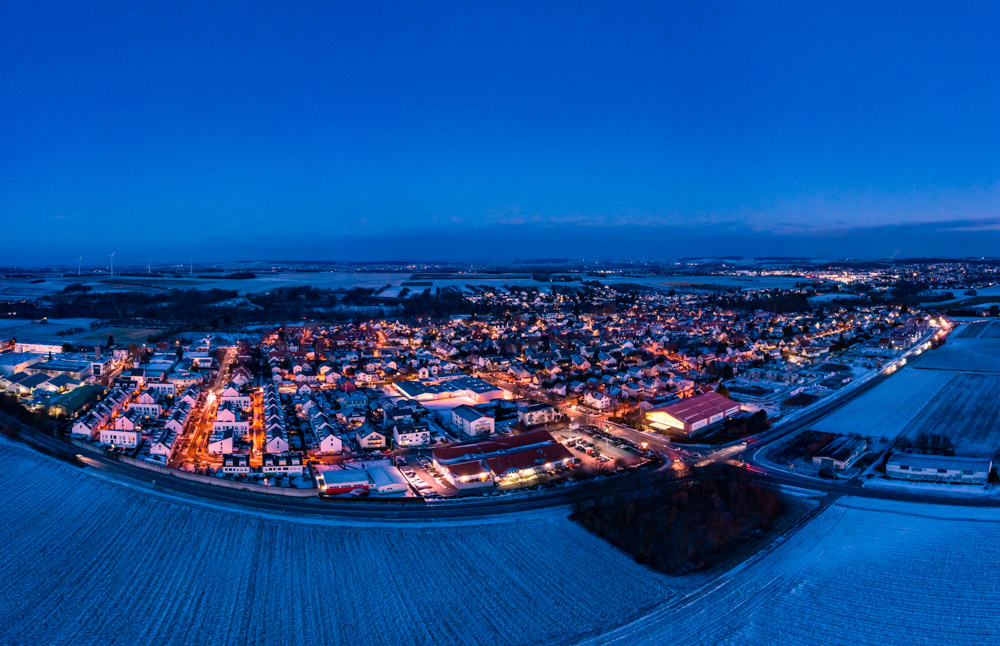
194 444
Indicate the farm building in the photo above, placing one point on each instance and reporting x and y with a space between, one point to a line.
694 414
938 468
840 453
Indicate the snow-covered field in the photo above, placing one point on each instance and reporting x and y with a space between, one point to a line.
863 572
967 411
888 408
89 561
979 329
24 288
964 353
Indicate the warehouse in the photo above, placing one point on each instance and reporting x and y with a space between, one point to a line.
840 453
387 480
692 415
938 468
340 481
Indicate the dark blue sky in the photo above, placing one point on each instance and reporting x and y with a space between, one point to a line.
479 131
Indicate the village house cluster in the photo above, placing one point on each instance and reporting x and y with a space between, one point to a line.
465 401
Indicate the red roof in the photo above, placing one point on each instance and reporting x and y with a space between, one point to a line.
527 458
498 445
471 468
699 407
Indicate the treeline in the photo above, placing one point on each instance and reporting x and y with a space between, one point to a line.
685 528
775 301
223 309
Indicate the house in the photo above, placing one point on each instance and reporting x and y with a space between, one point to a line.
162 388
87 426
236 463
282 463
241 376
146 405
938 468
228 418
472 422
121 437
163 445
130 421
190 396
370 438
598 400
232 395
691 415
220 442
840 453
276 438
407 434
177 418
536 414
327 441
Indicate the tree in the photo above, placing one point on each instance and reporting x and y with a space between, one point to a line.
67 347
111 342
722 390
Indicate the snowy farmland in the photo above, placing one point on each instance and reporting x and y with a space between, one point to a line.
89 561
863 572
978 354
888 408
967 411
979 329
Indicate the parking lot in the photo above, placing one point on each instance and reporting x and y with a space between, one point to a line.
597 453
420 472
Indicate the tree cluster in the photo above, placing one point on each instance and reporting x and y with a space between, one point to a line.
685 528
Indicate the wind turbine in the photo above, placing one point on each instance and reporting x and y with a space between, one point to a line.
78 265
148 270
112 256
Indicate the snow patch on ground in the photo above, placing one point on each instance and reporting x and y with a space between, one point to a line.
863 572
88 561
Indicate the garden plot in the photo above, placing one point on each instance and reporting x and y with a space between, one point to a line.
888 408
863 572
91 561
963 354
967 411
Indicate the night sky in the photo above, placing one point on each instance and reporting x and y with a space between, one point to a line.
482 131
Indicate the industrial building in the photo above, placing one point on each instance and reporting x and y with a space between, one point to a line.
692 415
